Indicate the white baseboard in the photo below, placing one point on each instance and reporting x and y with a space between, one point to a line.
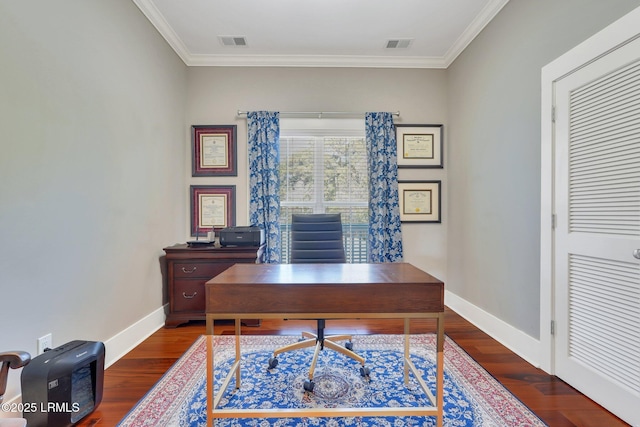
127 339
514 339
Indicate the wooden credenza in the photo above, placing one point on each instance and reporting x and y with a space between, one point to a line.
187 271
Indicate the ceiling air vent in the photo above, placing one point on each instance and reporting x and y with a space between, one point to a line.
233 40
398 43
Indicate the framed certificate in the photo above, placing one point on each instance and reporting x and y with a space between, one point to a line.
214 150
419 201
419 146
212 207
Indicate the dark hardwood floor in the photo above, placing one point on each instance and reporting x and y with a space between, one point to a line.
555 402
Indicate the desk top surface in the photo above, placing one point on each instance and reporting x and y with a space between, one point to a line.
299 274
324 288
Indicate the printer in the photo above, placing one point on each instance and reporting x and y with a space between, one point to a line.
242 236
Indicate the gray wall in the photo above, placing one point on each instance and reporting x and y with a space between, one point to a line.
494 151
215 94
91 173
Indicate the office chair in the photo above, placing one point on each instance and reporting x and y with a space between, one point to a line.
317 238
13 360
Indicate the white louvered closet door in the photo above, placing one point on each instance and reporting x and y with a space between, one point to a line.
597 205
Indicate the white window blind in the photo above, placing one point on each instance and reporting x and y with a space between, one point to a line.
323 169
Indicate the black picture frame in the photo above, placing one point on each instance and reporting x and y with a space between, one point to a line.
420 146
420 201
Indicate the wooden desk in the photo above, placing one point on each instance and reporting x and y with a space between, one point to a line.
325 291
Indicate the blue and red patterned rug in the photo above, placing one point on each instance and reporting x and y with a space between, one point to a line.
472 396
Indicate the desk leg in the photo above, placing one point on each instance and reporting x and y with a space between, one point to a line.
440 370
213 399
407 337
238 325
209 326
209 381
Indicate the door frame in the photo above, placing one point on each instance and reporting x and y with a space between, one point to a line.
619 33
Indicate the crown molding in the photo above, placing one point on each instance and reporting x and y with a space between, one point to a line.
314 61
156 18
471 32
353 61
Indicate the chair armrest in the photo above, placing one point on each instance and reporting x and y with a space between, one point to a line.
13 360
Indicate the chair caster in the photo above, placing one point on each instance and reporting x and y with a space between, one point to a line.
349 345
364 371
309 385
273 362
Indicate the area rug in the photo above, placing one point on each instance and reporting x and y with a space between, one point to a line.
472 396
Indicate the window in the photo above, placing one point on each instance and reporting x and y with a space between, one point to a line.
323 169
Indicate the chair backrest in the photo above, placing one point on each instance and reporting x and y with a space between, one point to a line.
316 238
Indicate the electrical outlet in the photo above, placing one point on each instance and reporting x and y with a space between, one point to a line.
45 342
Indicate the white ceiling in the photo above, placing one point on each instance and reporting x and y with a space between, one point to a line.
321 33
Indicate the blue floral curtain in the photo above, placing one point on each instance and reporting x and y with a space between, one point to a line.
264 183
385 235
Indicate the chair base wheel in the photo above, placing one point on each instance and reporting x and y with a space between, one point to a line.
349 345
364 371
273 362
309 385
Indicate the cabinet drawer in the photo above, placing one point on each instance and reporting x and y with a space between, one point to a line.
188 295
204 270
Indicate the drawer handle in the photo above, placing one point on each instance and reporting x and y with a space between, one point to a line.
189 296
184 270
